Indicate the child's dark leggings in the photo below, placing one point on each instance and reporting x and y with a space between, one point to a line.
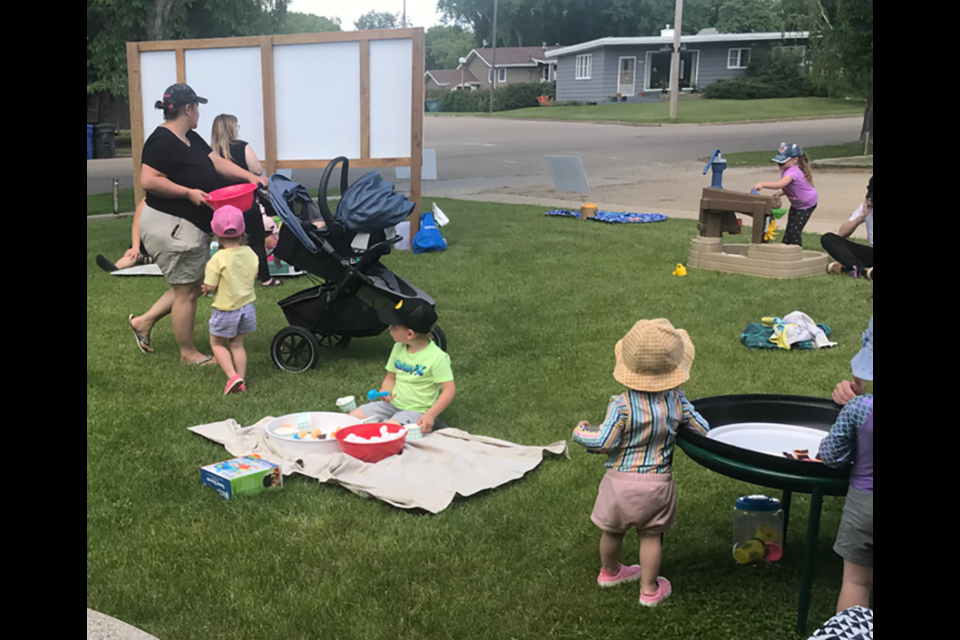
253 220
796 221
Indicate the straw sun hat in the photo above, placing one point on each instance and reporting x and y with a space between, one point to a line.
654 356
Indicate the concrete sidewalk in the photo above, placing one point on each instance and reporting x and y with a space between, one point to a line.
103 627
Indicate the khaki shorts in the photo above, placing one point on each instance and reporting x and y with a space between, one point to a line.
178 246
644 501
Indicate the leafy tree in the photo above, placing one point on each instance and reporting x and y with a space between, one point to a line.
747 16
446 45
841 41
113 23
376 20
296 22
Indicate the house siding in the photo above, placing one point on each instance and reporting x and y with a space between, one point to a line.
712 66
429 84
479 68
569 88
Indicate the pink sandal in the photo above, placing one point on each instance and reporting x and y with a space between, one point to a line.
233 384
624 575
663 590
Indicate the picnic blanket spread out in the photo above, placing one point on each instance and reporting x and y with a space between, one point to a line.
757 336
154 270
609 216
426 475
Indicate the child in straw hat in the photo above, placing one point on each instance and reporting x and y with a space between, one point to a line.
638 436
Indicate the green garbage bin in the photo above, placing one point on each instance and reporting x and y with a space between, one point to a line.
431 106
104 143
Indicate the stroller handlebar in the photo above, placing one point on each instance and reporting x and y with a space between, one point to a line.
324 181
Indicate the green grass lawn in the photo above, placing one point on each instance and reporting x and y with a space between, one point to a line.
694 111
103 202
532 307
762 158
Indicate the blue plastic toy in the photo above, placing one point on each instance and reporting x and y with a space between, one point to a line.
718 164
372 395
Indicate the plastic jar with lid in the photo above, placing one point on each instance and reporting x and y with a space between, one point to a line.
757 529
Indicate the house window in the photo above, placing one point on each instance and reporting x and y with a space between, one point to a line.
584 63
738 58
501 75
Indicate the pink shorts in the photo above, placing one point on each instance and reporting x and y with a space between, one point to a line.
646 501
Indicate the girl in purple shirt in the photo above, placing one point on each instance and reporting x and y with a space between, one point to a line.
796 182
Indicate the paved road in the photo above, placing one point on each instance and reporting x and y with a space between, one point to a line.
475 154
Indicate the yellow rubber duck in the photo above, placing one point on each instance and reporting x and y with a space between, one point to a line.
771 232
680 270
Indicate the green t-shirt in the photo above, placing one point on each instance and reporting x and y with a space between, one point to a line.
418 376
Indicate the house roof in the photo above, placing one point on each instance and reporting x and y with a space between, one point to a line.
555 52
444 77
514 56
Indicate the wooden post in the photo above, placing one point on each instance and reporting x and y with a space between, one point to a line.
364 99
416 131
675 61
269 104
181 67
136 115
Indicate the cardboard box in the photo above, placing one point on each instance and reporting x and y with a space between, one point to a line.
241 477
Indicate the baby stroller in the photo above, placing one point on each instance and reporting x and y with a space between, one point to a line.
344 250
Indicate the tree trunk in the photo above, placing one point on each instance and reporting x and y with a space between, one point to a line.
867 128
158 17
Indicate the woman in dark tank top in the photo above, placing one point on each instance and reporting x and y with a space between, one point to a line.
226 143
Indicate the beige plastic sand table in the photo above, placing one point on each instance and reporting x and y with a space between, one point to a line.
718 209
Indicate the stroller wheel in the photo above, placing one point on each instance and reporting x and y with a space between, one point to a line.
334 340
439 337
295 349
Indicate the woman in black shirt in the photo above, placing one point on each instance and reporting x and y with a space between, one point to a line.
224 138
178 170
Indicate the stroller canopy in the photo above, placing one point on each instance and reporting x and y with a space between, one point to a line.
285 196
371 205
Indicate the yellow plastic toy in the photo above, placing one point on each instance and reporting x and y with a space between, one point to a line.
771 232
750 552
767 534
680 270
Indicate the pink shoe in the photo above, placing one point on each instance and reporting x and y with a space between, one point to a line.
663 590
233 384
626 574
243 388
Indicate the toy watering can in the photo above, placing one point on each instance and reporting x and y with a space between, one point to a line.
718 164
680 270
372 395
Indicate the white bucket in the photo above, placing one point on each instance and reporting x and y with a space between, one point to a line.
403 230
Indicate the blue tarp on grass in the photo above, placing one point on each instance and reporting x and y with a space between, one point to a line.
611 217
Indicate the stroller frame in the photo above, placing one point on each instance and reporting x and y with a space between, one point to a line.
355 288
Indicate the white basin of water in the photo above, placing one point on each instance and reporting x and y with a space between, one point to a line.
769 437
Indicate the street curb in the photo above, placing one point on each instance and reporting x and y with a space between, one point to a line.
658 124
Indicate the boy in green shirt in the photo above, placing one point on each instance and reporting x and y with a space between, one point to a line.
419 377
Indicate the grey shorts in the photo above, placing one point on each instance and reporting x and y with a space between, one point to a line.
855 537
227 324
387 411
177 246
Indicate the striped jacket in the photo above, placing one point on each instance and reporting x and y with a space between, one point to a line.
640 430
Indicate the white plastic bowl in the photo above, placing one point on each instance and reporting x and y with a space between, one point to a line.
327 422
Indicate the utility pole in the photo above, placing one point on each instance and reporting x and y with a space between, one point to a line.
403 20
493 85
675 61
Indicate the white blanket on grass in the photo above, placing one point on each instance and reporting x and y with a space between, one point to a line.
426 475
154 270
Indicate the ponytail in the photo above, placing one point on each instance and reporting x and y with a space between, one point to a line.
169 113
804 163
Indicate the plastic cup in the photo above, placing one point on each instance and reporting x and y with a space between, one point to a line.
413 431
347 404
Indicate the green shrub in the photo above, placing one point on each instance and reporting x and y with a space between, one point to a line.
518 95
775 73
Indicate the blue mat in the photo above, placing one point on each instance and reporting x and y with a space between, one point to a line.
611 217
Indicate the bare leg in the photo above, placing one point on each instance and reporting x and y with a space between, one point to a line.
650 557
358 413
125 262
182 316
610 544
239 355
161 308
222 354
857 584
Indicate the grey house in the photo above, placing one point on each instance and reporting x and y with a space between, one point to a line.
513 64
639 68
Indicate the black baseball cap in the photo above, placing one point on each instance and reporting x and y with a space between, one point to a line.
413 313
178 95
870 189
